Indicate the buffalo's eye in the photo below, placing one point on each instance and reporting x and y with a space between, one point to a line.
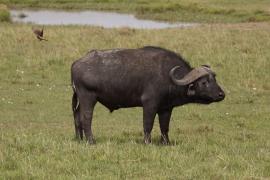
205 83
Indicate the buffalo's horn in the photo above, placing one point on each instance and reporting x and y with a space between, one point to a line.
191 76
208 68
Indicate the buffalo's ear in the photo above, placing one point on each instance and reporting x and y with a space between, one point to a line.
191 90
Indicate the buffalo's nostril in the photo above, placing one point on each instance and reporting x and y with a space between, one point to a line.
221 94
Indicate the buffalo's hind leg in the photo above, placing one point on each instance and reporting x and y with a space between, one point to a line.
87 103
149 113
76 115
164 121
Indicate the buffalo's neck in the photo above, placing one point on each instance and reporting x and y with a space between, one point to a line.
177 96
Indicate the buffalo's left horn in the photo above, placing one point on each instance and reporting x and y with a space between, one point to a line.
191 76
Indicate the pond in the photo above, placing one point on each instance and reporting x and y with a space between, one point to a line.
93 18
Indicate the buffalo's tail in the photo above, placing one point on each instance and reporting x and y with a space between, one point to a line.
75 109
75 100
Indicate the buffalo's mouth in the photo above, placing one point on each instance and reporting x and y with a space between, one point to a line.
208 100
204 101
219 99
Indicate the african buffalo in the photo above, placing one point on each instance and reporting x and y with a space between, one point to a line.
151 77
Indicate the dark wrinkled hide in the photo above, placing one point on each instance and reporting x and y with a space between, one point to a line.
121 78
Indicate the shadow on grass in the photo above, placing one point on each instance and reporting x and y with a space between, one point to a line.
116 140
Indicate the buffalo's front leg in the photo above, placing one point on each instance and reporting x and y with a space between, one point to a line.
149 113
87 104
164 121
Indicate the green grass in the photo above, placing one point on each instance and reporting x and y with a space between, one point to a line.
170 10
226 140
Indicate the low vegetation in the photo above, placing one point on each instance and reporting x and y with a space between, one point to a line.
4 13
227 140
171 10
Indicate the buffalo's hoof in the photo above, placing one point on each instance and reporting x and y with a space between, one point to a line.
147 139
91 141
78 137
164 140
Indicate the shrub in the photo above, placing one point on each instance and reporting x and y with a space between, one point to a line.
4 13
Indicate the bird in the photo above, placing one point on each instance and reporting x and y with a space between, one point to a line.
39 33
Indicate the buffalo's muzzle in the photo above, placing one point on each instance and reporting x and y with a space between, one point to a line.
221 95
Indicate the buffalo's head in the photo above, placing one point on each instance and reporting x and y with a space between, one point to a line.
201 84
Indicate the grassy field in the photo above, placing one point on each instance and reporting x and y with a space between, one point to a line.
170 10
227 140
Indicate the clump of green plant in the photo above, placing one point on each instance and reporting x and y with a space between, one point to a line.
4 13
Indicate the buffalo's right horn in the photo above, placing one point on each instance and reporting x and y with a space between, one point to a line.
191 76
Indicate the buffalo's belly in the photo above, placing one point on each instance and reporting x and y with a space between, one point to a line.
116 101
120 93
